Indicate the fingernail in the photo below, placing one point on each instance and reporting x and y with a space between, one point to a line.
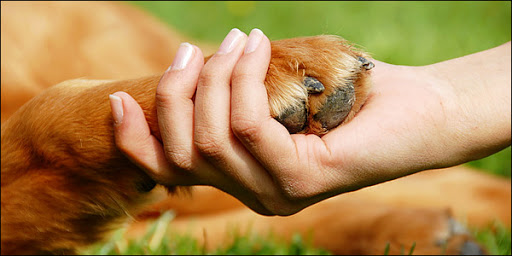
183 57
254 40
116 103
231 40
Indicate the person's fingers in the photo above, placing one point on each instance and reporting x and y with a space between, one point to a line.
175 106
212 132
212 103
290 159
238 172
250 115
134 139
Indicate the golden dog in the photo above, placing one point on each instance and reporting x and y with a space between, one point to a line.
64 184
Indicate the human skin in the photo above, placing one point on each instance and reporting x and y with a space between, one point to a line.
416 118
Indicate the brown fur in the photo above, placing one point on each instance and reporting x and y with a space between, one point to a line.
308 56
64 183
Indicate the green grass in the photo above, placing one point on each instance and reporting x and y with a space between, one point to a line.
498 163
402 249
406 33
496 237
160 240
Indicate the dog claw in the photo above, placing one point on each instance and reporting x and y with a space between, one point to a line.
366 63
313 85
336 107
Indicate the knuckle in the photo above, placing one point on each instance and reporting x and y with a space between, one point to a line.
245 128
297 189
163 97
130 142
179 157
207 77
239 75
123 143
208 144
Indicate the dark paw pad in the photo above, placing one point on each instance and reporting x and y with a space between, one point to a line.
294 118
336 107
332 112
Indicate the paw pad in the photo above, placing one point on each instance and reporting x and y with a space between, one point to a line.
316 83
336 107
294 118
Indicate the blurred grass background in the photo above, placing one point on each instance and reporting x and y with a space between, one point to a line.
405 33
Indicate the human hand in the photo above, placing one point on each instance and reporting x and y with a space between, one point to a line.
229 140
415 118
192 121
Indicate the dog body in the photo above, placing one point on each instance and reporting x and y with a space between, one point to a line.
63 177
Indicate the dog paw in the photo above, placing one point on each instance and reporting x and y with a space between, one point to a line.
316 83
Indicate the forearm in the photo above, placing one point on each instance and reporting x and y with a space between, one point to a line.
478 111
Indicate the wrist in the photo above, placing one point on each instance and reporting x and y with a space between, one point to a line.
476 101
442 137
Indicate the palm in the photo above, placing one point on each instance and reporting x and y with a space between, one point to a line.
395 125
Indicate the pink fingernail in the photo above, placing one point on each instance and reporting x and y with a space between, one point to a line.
254 40
116 103
231 41
183 57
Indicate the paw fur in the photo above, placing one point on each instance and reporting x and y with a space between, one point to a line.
316 83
